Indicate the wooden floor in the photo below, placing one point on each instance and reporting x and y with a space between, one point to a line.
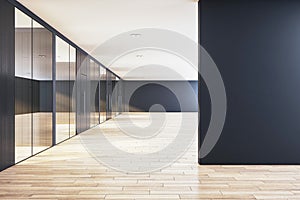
68 171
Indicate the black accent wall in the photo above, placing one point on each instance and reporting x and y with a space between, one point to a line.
256 46
7 75
149 93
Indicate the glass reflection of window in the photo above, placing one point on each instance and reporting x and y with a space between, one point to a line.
73 91
33 87
63 100
109 95
97 94
113 96
23 86
94 94
102 94
118 96
42 87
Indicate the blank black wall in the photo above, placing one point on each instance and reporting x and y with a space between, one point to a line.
149 93
256 46
7 75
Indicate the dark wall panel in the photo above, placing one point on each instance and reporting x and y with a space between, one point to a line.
149 93
256 46
7 75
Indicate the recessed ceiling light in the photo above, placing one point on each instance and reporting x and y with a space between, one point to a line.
139 56
135 35
42 56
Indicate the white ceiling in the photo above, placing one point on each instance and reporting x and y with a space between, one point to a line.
91 23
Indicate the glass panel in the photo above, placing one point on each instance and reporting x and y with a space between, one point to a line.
108 95
102 94
42 88
118 93
93 93
23 86
97 93
114 96
73 91
63 99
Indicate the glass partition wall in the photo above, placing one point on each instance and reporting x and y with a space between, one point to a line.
118 96
113 95
33 87
39 88
109 89
42 87
64 84
94 93
23 86
102 94
72 96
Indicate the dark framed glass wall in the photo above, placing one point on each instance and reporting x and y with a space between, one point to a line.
114 96
72 84
102 94
64 78
23 86
35 94
118 97
42 84
33 87
97 93
109 86
94 93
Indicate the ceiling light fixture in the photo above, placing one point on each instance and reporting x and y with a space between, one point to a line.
42 56
139 56
135 35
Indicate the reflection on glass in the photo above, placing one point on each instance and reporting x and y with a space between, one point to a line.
109 86
118 96
62 90
34 89
23 86
33 82
97 94
94 93
42 88
73 91
102 94
65 91
114 96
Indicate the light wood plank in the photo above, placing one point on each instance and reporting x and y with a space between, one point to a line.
68 171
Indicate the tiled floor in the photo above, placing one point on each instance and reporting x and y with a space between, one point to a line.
69 171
